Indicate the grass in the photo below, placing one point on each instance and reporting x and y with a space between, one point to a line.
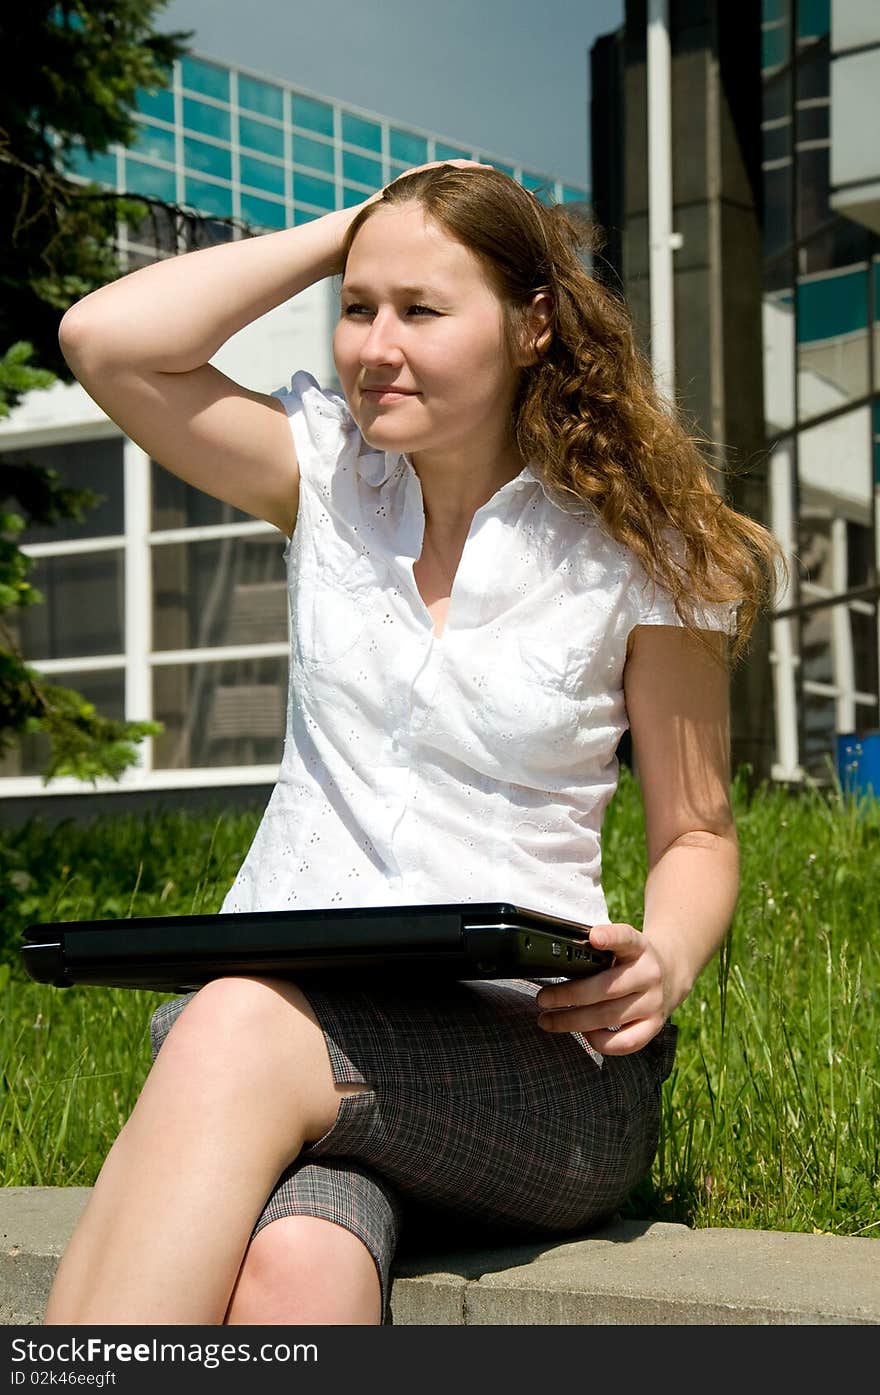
771 1117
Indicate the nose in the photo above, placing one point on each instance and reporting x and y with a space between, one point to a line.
380 343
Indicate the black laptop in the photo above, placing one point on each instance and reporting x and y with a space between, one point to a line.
178 953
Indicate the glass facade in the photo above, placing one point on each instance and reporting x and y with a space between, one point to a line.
164 602
231 144
820 319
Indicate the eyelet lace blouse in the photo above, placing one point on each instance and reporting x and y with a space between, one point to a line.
473 767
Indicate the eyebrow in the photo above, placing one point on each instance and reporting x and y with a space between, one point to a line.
430 292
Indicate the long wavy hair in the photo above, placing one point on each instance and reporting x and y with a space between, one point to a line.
588 412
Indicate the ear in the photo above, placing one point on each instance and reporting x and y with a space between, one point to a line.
537 332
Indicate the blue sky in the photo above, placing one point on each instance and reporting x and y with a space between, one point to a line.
511 76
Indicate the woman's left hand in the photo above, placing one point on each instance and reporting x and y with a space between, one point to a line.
619 1009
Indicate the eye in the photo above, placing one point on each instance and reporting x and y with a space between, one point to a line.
424 308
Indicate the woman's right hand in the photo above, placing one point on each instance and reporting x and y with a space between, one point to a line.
432 164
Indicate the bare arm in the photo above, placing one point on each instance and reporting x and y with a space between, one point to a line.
141 348
678 707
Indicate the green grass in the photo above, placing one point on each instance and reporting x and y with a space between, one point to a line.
771 1117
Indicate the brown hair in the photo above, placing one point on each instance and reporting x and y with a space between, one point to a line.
588 412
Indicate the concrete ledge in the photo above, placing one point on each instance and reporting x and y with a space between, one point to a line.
627 1273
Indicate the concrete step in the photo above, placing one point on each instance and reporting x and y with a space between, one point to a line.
630 1272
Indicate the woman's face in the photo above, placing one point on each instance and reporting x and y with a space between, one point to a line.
416 313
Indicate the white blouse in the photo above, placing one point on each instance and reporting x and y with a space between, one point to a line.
473 767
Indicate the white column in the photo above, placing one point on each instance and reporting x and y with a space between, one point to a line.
842 658
138 599
783 656
661 240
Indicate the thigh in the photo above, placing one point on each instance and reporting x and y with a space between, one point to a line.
474 1111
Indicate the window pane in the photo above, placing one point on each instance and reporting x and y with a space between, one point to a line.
820 735
361 169
95 465
313 152
813 190
208 120
258 135
82 610
230 713
106 689
218 592
864 642
357 131
834 466
207 78
262 213
832 318
155 142
262 175
451 152
159 104
99 169
310 189
816 646
177 504
505 169
208 198
408 148
150 180
209 159
575 195
314 116
260 96
814 18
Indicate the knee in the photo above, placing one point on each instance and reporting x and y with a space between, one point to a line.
222 1008
304 1269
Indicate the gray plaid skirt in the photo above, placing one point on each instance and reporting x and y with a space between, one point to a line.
475 1120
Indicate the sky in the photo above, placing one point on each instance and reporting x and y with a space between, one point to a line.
509 76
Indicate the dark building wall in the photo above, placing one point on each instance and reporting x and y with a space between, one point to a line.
718 272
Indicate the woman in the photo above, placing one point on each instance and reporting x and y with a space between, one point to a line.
503 551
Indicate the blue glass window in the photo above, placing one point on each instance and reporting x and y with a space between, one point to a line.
358 167
207 120
158 104
409 149
814 18
314 153
100 169
257 135
210 159
309 189
774 48
533 181
451 152
208 198
262 175
262 213
263 97
302 215
367 134
155 142
150 180
832 305
570 195
314 116
505 169
206 78
350 196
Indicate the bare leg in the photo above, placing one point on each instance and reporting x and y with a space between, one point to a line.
302 1270
243 1081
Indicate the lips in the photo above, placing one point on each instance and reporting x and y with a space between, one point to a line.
402 392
